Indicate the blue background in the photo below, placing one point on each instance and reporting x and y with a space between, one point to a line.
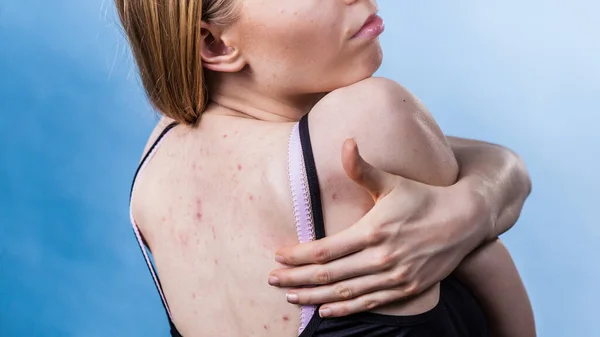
74 121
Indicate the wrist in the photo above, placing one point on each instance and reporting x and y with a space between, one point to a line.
480 211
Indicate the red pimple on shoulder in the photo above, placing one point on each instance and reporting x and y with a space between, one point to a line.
251 197
239 167
285 318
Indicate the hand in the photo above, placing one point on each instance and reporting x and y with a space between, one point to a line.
414 236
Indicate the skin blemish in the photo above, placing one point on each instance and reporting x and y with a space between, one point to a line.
212 228
216 261
194 295
225 136
239 167
183 239
198 209
334 196
251 197
266 327
163 219
285 318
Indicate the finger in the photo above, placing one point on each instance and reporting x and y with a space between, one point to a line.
342 291
362 303
358 264
377 182
327 249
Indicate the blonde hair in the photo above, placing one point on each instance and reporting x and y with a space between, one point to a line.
166 39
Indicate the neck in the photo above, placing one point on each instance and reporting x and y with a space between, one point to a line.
236 95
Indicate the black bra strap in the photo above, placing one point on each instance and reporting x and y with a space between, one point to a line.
147 155
313 179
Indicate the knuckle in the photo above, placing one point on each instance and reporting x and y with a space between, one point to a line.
305 298
370 303
413 288
398 277
343 292
343 310
321 255
384 260
375 236
323 276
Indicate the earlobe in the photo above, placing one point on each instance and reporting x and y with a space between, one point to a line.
216 54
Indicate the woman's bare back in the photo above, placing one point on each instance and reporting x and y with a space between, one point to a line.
214 206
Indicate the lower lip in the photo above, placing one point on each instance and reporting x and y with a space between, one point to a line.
372 29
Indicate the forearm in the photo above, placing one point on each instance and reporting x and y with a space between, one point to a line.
499 179
490 273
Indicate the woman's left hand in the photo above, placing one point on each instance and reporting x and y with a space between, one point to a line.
414 236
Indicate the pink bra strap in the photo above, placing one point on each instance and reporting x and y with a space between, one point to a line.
302 207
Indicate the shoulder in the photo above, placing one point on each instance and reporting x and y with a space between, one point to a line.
162 124
393 129
394 132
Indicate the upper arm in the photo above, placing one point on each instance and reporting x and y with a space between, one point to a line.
394 132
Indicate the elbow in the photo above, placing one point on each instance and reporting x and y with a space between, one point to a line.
521 176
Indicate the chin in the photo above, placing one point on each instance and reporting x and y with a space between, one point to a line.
374 58
366 67
360 68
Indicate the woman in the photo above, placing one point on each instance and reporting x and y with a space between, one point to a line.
251 69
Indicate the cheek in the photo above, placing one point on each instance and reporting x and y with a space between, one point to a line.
291 30
306 51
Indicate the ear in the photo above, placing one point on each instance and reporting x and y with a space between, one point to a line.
216 53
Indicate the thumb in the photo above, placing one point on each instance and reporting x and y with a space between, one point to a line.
378 182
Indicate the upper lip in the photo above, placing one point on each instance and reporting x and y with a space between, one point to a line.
367 21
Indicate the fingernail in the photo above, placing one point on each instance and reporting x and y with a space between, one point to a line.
325 313
273 280
279 258
292 298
